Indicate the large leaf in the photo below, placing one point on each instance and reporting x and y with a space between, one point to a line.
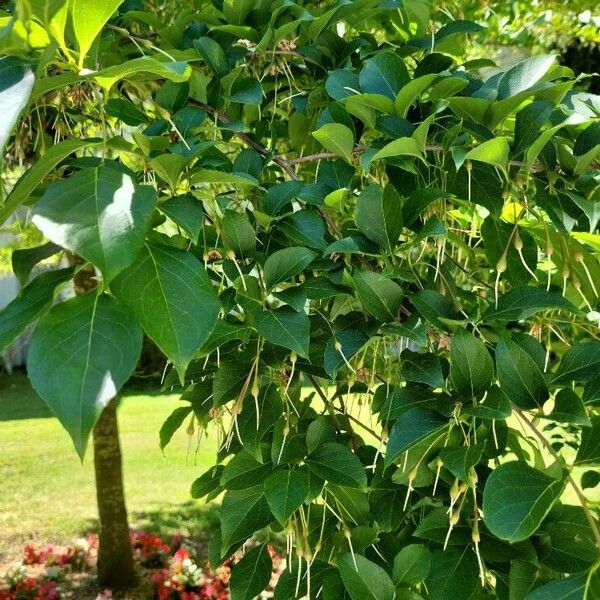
336 138
337 464
286 491
580 363
286 328
453 574
24 260
411 564
176 71
238 233
251 575
285 264
186 212
516 499
33 301
100 214
88 20
493 152
384 74
572 588
16 84
412 427
380 296
519 376
378 215
36 174
172 423
524 75
243 512
471 367
524 302
365 580
173 299
81 354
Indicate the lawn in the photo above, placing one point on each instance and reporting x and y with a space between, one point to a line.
47 495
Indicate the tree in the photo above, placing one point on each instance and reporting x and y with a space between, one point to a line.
374 271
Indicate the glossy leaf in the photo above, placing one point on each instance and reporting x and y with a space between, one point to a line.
251 575
34 300
471 367
81 354
365 580
286 491
285 264
519 376
516 499
337 464
286 328
337 139
172 298
100 214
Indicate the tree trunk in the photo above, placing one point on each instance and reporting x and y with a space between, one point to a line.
115 559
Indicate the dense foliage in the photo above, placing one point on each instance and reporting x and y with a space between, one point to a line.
373 271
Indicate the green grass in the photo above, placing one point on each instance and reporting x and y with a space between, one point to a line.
47 495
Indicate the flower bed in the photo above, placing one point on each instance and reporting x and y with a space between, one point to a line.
172 567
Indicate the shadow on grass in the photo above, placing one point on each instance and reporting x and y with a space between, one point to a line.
194 521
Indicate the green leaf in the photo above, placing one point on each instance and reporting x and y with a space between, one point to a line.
100 214
493 152
411 91
471 367
286 491
88 21
16 85
246 90
422 367
186 212
243 513
23 261
411 565
525 301
215 176
244 471
453 574
207 483
34 300
251 575
173 298
380 296
521 578
589 449
384 74
238 233
125 111
404 146
213 55
580 363
81 354
365 580
285 264
519 376
567 541
141 67
571 588
286 328
459 461
169 167
37 173
378 215
414 426
524 75
172 423
336 138
569 408
337 464
516 499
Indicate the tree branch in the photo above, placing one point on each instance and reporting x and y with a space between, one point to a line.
582 499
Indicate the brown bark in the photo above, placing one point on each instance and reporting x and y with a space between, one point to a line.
115 559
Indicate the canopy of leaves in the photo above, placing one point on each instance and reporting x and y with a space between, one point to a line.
369 262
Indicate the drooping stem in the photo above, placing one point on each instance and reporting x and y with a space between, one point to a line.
580 495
